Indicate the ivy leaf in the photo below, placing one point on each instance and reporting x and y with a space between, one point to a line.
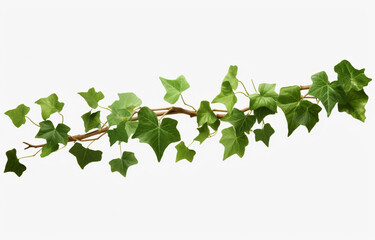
174 88
158 136
226 97
354 104
118 134
84 155
240 121
91 120
122 164
131 127
18 114
262 112
328 93
184 152
205 114
297 112
264 134
233 143
231 77
50 105
267 97
13 164
53 135
349 77
123 108
92 97
215 125
204 132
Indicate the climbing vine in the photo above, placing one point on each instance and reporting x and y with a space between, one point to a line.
129 119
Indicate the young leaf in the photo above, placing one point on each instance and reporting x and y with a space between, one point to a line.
264 134
349 77
204 132
84 155
18 114
122 164
184 152
233 143
13 164
205 114
297 112
157 136
231 77
123 108
328 93
226 97
174 88
354 104
118 134
92 97
267 97
240 121
53 135
91 120
50 105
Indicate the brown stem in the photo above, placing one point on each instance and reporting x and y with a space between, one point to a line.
305 87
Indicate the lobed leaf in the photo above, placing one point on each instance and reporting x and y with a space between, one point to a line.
122 164
226 97
233 143
92 97
184 152
351 78
13 164
91 120
264 134
50 105
84 155
18 115
174 88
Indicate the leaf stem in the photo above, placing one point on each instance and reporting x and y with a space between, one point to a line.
252 82
183 100
31 155
62 117
246 95
105 108
162 116
32 121
119 144
243 85
190 143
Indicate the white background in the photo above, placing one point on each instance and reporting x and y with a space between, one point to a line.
308 186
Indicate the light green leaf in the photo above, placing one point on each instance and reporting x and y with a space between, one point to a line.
92 97
351 78
174 88
328 93
157 136
91 120
205 114
264 134
118 134
53 135
204 132
226 97
84 155
231 77
123 108
122 164
13 164
18 114
297 112
267 97
354 104
240 121
233 143
184 152
50 105
131 127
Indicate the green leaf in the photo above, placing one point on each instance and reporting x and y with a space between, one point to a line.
91 120
240 121
264 134
158 136
123 108
328 93
226 97
215 125
205 114
18 114
261 113
351 78
354 104
267 97
118 134
233 143
122 164
84 155
231 77
131 127
13 164
53 135
92 97
184 152
50 105
174 88
297 112
204 132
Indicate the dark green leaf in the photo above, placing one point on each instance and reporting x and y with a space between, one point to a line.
13 164
91 120
351 78
123 108
215 125
157 136
205 114
233 143
174 88
122 164
204 132
264 134
226 97
92 97
240 121
231 77
85 155
354 104
261 113
267 97
18 114
184 152
118 134
50 105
